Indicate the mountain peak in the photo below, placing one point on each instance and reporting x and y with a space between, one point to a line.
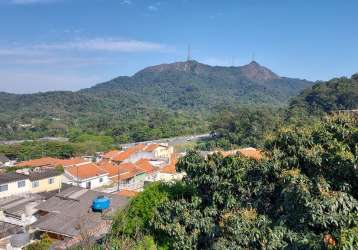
255 71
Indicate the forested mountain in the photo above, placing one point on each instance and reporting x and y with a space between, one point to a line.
178 93
323 97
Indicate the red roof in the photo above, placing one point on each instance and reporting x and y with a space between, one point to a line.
85 171
49 161
45 161
127 153
145 165
151 147
125 170
111 154
252 153
70 162
127 193
170 168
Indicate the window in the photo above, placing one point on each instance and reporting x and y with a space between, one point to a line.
101 179
35 184
51 180
4 188
21 184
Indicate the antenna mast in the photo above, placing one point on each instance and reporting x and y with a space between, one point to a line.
253 57
189 53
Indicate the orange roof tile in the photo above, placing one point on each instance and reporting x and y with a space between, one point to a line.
85 171
111 168
171 167
125 154
111 154
132 168
45 161
70 162
125 170
252 153
151 147
145 165
127 193
49 161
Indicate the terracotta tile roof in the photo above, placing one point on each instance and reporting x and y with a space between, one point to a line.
252 153
125 170
111 168
45 161
85 171
127 193
70 162
145 165
125 154
132 168
151 147
111 154
170 168
49 161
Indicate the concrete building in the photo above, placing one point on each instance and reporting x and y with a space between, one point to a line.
86 175
29 182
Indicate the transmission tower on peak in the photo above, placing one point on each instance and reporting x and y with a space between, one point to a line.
253 57
189 53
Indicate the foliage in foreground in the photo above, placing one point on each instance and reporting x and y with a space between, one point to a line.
303 196
43 244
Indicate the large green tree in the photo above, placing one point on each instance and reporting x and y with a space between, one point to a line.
303 195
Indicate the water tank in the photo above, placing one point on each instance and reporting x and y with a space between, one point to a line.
100 203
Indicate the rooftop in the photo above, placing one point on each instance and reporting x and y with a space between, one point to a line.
11 177
73 206
127 193
85 171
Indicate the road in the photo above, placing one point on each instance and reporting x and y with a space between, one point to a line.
171 141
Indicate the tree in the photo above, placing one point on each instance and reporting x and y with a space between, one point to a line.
302 196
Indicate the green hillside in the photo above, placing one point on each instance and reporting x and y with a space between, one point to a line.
162 100
323 97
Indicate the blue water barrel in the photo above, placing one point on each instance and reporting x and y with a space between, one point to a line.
101 203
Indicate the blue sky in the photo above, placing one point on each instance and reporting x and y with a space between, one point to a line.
72 44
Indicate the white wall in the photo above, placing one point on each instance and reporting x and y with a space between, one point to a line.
13 189
95 181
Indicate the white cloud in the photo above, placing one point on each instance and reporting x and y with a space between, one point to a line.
155 6
126 2
152 8
103 44
27 2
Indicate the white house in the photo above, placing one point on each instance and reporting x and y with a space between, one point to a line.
86 175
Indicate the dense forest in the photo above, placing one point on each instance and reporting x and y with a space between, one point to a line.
251 125
159 101
323 97
302 195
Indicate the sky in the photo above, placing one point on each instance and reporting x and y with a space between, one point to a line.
73 44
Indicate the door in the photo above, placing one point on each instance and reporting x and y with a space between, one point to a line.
88 185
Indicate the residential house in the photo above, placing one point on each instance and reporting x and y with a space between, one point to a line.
125 175
249 152
49 162
151 151
86 175
140 151
68 217
29 182
168 173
